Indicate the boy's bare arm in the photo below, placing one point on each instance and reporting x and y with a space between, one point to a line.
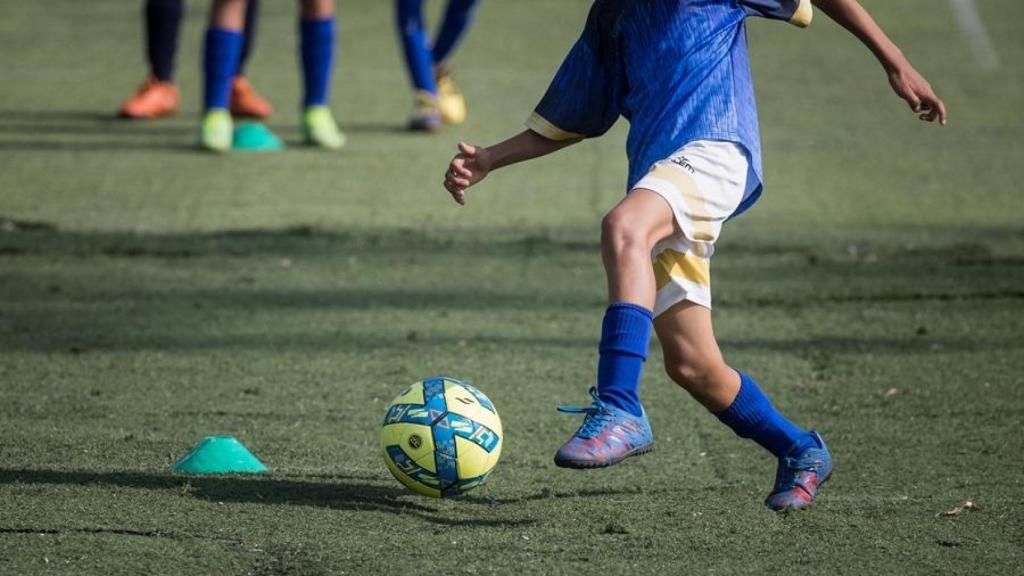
908 83
473 163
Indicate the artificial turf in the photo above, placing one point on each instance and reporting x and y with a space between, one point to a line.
151 295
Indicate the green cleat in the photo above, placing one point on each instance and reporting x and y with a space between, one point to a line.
217 130
320 129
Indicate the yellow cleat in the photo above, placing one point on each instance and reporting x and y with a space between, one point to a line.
320 129
217 130
426 114
450 99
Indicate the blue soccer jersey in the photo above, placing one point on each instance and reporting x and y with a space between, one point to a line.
677 70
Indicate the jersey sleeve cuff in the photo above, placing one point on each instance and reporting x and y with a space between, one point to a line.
803 15
541 126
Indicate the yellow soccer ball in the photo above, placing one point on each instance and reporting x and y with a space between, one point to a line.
441 437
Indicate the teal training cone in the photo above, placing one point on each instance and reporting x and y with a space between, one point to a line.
219 455
255 137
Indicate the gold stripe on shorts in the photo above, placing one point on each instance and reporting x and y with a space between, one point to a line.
675 264
703 229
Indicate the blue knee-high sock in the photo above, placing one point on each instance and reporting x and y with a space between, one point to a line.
317 59
252 14
752 416
220 63
457 17
163 20
625 334
411 30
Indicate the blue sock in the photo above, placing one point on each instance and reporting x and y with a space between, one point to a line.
220 63
418 58
317 59
625 334
752 415
457 17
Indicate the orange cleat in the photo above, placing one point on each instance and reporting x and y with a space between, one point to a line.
246 102
153 99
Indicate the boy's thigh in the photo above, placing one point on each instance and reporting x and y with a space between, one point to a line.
704 183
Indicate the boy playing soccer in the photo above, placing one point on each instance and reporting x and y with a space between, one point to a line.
678 70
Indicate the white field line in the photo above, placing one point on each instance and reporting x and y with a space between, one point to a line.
977 37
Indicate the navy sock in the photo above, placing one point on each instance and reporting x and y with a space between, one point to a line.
252 13
317 39
412 31
220 62
457 17
625 334
163 19
752 416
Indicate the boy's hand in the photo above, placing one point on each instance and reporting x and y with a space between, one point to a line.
905 80
912 87
470 165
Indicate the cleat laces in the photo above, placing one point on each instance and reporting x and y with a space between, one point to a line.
597 416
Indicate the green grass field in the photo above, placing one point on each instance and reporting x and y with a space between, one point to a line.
151 295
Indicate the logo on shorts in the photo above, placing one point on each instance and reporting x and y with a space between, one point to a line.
684 162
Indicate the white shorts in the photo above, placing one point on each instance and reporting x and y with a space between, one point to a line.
704 182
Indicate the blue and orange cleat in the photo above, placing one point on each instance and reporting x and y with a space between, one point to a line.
799 476
608 436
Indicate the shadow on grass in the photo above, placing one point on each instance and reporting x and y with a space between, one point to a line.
183 146
548 494
56 116
108 306
91 130
339 493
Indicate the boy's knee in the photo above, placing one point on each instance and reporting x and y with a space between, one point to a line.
620 234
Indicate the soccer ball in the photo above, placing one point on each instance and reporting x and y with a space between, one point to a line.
441 437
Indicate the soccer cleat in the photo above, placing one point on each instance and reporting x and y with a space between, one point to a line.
246 102
608 436
217 131
426 113
799 475
451 103
153 99
320 129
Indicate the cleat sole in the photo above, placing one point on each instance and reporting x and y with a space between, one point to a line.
591 464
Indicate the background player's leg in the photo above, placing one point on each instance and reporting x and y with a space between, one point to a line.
252 12
220 62
158 96
316 31
316 47
413 34
245 101
426 114
457 18
163 21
